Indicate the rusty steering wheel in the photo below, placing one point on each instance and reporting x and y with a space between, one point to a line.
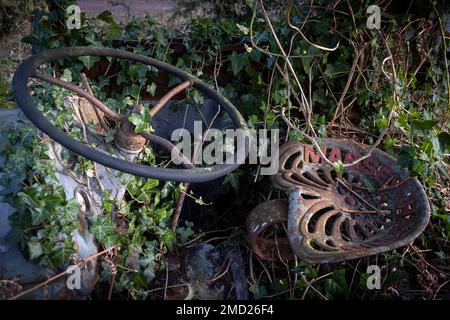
28 68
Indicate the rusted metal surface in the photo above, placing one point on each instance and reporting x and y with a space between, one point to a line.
169 95
371 207
69 86
264 216
127 139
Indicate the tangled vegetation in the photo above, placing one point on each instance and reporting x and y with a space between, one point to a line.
332 77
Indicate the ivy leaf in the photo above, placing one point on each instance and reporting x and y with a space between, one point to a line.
185 232
135 119
424 124
150 185
110 240
127 101
148 263
371 184
444 139
197 97
393 277
382 123
143 127
329 71
61 254
338 166
108 205
140 280
106 16
319 97
180 63
237 64
89 172
38 216
114 29
242 28
135 91
141 121
71 209
34 249
67 75
337 286
151 89
407 158
101 227
89 61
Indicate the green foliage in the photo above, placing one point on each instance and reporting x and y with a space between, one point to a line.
142 120
338 166
5 96
337 286
44 219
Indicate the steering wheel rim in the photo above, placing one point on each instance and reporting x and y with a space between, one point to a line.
23 98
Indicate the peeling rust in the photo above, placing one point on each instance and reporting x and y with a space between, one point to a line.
261 218
127 139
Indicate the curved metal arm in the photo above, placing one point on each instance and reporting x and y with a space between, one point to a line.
169 95
69 86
